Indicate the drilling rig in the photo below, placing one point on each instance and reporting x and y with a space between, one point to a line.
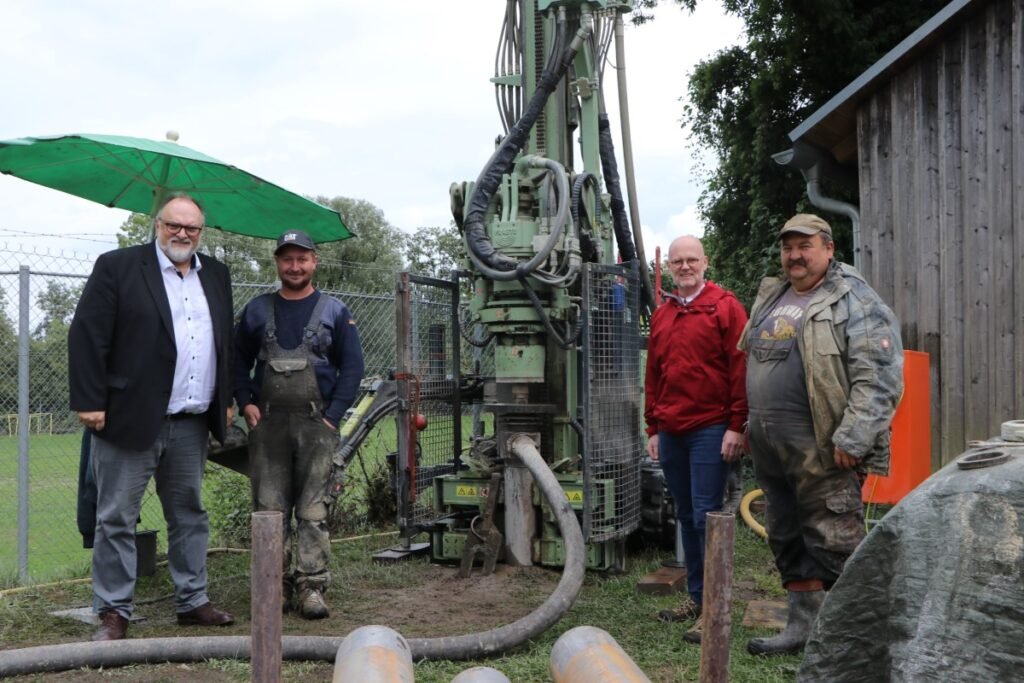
557 286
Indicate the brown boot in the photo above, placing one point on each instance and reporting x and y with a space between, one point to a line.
205 615
687 611
694 633
112 626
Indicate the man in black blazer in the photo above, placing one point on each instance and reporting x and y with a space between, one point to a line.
149 354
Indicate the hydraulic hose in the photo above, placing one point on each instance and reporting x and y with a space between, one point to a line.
620 223
557 604
567 342
320 648
748 517
478 244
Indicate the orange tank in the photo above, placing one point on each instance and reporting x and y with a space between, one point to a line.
911 437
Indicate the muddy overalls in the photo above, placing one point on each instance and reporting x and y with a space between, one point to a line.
290 450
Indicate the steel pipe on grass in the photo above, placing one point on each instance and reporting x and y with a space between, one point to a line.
321 648
717 609
587 654
374 654
267 567
481 674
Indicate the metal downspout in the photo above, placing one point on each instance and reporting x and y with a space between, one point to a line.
835 206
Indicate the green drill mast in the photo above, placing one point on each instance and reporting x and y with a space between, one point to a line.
545 207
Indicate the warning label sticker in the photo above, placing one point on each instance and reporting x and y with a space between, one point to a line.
465 490
574 496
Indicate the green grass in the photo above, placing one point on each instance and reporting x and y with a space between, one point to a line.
610 602
54 544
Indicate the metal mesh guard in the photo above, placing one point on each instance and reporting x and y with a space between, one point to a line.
430 342
612 402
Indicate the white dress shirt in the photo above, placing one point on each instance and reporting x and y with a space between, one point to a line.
689 299
195 371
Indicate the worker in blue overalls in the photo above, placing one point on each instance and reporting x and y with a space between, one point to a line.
308 365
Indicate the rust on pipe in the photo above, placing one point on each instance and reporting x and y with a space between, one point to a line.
374 654
481 674
717 613
267 567
587 654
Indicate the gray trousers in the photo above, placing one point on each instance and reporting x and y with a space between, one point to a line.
176 461
815 517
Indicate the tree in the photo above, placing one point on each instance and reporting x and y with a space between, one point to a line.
248 258
433 251
8 350
57 303
364 263
746 98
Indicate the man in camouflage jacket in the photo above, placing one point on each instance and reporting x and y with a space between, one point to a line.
825 372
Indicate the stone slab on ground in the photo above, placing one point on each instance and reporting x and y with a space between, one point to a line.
663 581
766 614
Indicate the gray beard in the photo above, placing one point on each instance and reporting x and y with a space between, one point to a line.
178 253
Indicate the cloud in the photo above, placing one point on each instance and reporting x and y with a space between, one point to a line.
685 222
388 102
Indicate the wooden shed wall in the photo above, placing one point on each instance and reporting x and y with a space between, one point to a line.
941 164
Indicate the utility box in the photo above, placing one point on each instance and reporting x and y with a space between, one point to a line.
911 437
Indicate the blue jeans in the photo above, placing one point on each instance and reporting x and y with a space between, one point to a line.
695 474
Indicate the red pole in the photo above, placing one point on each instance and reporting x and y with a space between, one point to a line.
657 275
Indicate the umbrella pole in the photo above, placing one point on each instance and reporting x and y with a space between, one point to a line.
159 193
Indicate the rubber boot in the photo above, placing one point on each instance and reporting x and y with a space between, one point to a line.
312 605
803 608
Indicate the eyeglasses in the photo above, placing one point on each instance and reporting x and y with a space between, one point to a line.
174 228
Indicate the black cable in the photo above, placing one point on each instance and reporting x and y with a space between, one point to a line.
546 320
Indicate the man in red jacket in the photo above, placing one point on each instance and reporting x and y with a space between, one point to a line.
696 404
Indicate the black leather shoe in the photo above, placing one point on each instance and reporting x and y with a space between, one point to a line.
205 615
112 626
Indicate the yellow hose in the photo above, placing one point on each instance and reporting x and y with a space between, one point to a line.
748 517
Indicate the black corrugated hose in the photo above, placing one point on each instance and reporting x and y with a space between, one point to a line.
321 648
503 159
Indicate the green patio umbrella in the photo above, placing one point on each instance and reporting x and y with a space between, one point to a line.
137 174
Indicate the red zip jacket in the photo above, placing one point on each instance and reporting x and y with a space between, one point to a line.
696 376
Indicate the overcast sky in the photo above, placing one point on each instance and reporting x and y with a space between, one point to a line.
384 101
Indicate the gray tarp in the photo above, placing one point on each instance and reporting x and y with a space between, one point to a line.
936 590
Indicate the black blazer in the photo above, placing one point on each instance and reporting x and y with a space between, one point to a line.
121 345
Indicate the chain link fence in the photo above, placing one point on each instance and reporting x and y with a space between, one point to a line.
41 439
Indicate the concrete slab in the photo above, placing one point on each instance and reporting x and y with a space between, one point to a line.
766 614
663 581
